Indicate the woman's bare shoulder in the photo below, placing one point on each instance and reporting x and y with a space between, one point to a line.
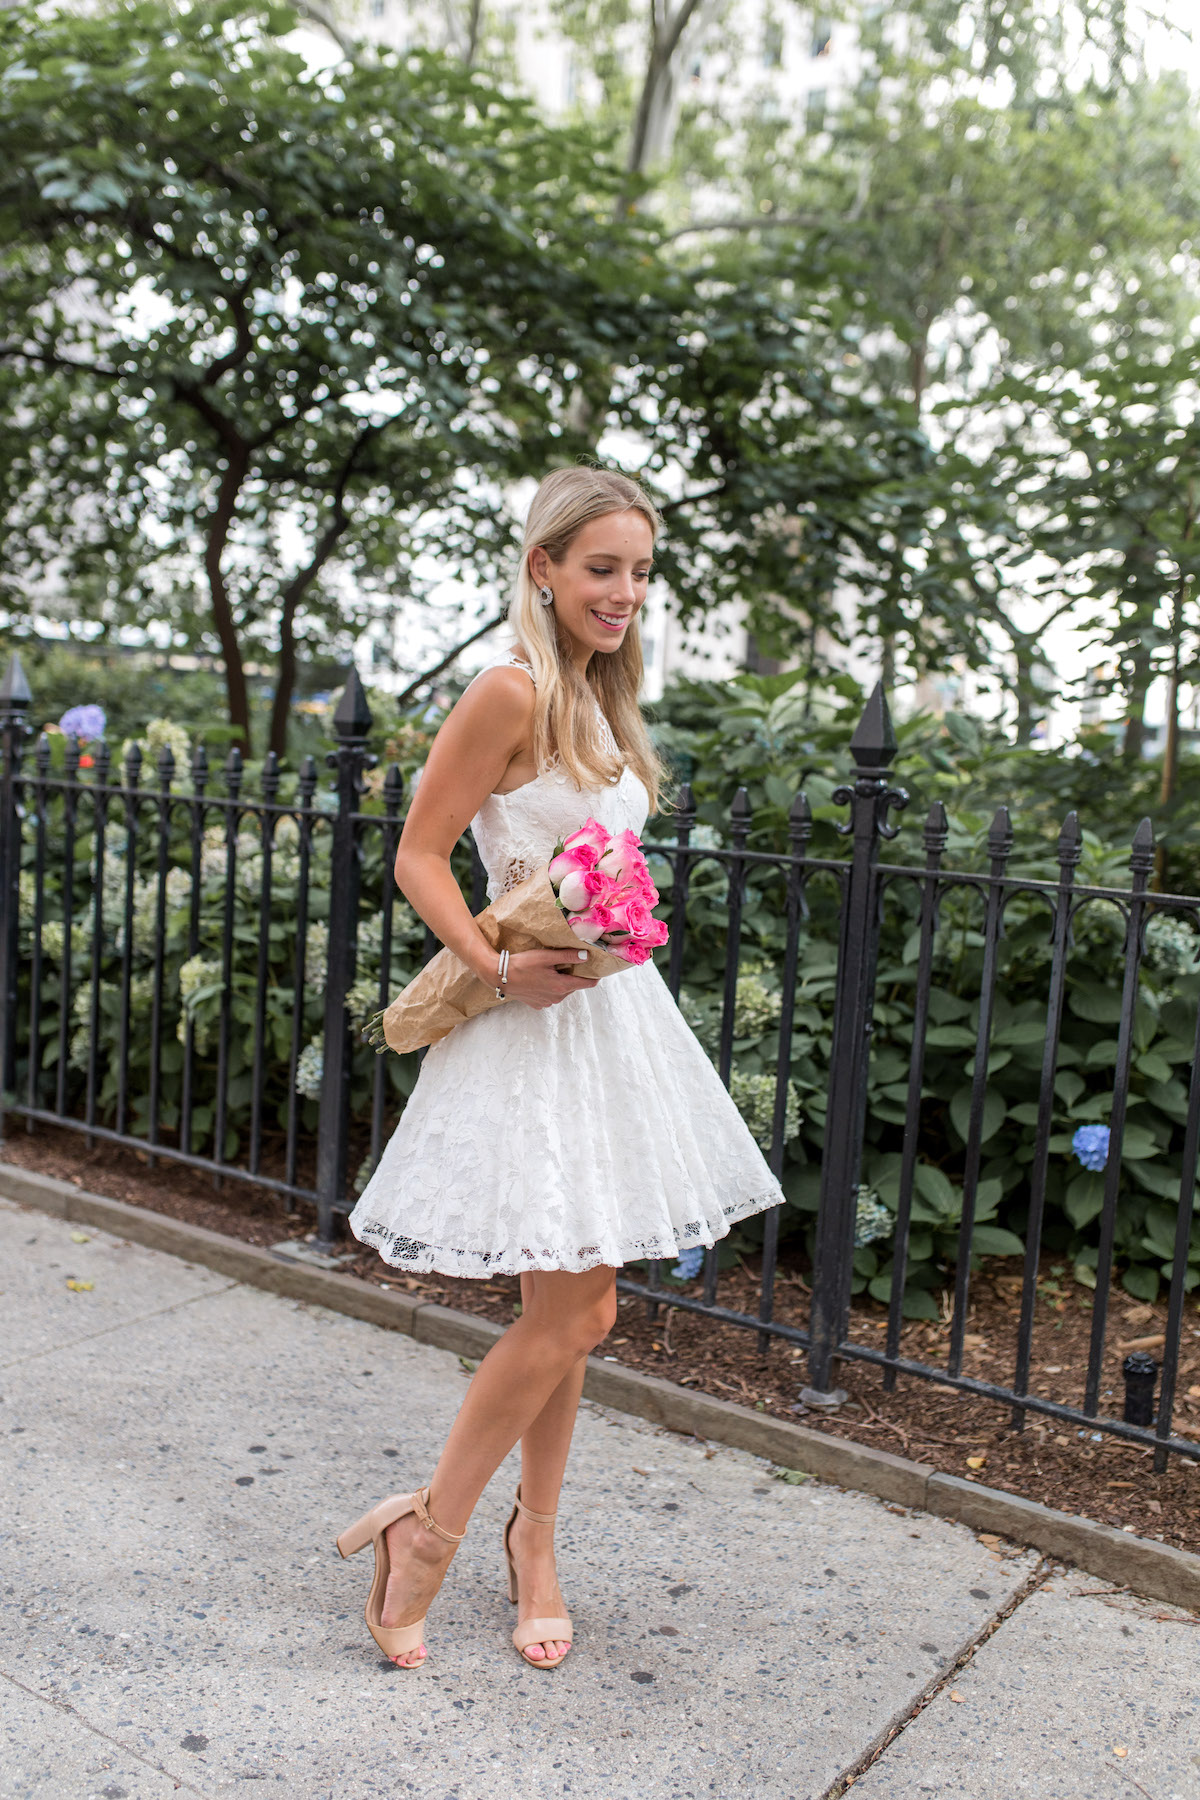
498 703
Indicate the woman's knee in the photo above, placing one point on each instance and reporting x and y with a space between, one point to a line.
579 1310
599 1317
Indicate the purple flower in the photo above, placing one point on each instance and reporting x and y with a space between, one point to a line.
86 722
690 1263
1090 1145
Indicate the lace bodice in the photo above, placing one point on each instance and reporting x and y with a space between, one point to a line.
515 832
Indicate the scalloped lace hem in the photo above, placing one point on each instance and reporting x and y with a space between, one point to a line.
445 1259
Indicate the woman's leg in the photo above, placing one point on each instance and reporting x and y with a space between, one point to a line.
545 1446
564 1317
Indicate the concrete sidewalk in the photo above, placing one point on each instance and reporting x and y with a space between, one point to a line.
181 1451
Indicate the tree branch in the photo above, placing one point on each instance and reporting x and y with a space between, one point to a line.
414 687
243 339
299 585
51 360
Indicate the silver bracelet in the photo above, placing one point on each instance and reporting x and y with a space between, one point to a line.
502 975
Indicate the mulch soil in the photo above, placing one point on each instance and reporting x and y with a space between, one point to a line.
1075 1470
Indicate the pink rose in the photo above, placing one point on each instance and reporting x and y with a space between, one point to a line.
619 910
607 891
648 891
591 924
579 888
656 933
632 952
590 836
587 934
570 860
637 918
624 860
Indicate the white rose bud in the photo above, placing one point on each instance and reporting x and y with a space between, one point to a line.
572 892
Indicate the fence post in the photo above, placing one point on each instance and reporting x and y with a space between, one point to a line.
351 723
14 729
873 747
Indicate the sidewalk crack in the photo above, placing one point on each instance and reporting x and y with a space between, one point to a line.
64 1706
1032 1582
122 1325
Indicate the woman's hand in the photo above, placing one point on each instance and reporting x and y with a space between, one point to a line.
533 977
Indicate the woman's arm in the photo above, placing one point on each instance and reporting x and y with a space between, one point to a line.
490 724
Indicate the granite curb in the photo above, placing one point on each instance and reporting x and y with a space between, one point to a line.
1158 1571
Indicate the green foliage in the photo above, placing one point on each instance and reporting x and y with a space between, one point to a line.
261 327
772 736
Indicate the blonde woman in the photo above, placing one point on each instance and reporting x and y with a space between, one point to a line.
577 1126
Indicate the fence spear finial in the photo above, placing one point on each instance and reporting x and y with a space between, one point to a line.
15 690
874 743
353 717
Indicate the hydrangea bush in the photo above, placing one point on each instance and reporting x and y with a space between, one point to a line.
194 985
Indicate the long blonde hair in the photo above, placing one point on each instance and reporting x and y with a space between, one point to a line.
564 721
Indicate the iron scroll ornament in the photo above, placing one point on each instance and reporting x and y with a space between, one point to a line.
865 788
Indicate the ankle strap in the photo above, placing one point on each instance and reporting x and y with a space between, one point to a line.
422 1512
538 1518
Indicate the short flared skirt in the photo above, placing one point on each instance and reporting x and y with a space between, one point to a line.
592 1132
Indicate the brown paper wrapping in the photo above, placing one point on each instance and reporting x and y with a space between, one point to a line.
446 992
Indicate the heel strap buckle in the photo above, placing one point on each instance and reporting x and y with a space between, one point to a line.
430 1524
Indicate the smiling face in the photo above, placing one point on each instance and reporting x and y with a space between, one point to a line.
600 585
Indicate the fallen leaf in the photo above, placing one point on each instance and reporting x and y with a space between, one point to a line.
467 1366
1193 1393
81 1287
1144 1343
957 1697
80 1237
976 1462
1120 1750
990 1541
638 1471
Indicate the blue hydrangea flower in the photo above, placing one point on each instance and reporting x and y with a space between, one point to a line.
85 722
1090 1145
690 1263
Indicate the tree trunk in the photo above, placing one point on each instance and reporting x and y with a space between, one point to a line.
1134 739
285 680
222 610
1024 694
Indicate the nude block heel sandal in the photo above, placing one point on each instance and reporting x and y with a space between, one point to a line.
533 1631
393 1640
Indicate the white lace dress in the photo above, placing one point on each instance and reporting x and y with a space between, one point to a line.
595 1131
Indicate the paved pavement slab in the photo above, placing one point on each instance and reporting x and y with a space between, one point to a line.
181 1452
1078 1696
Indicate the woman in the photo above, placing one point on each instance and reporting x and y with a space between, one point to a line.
569 1130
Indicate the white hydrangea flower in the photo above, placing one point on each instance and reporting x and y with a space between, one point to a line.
757 1007
316 956
754 1097
160 735
361 1002
196 974
310 1067
871 1218
1172 947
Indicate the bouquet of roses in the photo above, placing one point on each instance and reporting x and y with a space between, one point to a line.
604 887
595 894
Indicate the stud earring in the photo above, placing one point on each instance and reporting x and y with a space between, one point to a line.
546 596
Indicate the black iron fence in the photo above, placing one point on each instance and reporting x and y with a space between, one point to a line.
185 972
